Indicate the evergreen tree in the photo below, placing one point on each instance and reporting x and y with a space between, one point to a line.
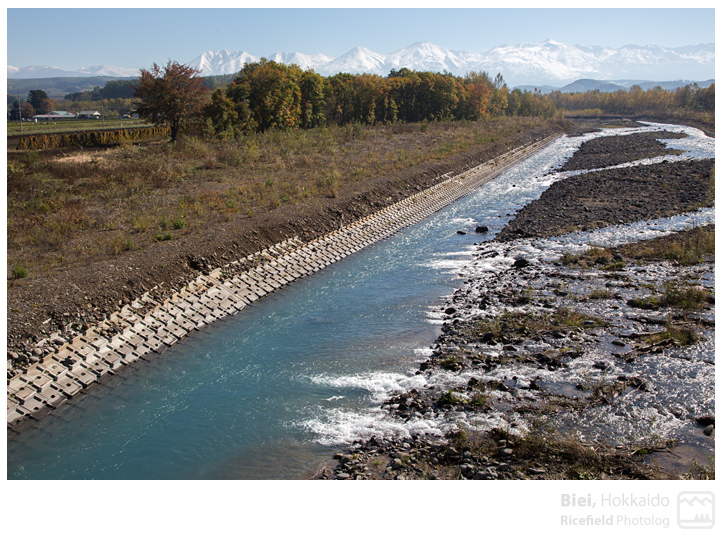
36 98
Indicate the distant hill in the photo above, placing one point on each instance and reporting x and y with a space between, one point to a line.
45 72
58 87
587 85
584 85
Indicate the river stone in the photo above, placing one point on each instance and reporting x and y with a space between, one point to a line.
481 229
467 470
708 430
505 452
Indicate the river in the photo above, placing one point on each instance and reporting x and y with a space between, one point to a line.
274 390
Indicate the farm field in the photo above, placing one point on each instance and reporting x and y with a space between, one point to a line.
64 126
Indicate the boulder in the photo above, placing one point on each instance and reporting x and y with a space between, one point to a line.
521 262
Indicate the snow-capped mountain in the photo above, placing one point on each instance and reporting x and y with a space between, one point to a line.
547 63
221 62
433 57
304 61
38 72
226 61
358 60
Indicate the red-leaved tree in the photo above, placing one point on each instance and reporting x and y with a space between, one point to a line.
171 96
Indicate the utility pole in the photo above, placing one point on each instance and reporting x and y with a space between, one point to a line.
20 114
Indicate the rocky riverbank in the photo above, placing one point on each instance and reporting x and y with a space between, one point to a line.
542 364
545 349
614 196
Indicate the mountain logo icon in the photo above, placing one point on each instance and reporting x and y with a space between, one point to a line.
695 510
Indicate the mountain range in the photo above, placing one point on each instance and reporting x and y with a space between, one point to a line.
548 63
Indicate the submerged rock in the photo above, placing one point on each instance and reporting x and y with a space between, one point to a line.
521 262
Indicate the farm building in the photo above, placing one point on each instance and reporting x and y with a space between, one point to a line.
55 115
89 115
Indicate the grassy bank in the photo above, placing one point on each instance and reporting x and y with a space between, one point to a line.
71 208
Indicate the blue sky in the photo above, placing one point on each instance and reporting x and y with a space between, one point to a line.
135 38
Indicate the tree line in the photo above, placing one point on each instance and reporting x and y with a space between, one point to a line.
636 100
267 95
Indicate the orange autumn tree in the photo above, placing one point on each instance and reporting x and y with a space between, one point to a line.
172 95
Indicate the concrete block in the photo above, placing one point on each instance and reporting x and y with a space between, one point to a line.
175 311
15 416
68 385
36 377
168 340
218 313
229 306
132 339
144 332
52 368
83 375
66 356
32 406
98 343
153 343
163 317
112 358
12 402
195 321
52 397
122 348
176 331
81 347
130 357
98 366
21 389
